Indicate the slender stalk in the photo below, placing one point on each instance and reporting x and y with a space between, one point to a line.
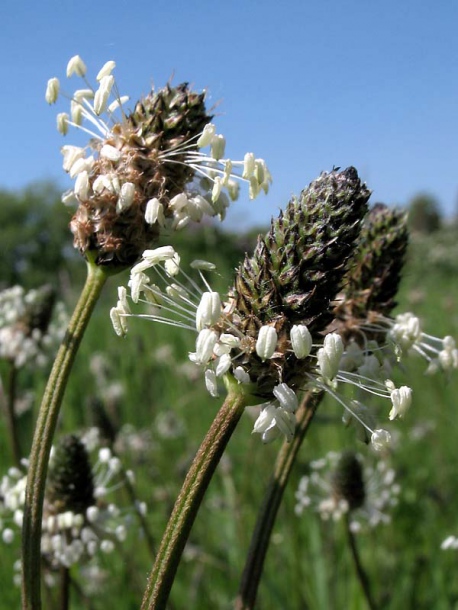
44 433
64 593
187 504
140 516
360 571
272 499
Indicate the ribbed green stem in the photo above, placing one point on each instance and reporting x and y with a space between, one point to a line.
187 504
272 499
44 433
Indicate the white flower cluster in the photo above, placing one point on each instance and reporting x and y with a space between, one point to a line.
100 113
69 537
20 342
317 492
220 345
441 354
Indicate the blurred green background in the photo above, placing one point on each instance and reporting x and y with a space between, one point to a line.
163 411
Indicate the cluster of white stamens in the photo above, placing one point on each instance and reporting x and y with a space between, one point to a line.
216 179
220 345
68 537
441 354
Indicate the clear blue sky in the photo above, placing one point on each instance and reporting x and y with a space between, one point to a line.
305 85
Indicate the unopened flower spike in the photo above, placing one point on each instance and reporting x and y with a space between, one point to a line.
363 309
144 170
267 332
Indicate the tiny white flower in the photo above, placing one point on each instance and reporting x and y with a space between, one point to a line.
218 145
216 191
211 383
301 340
241 375
286 397
230 340
172 265
62 123
206 341
248 166
202 265
110 152
155 212
102 94
82 186
71 154
267 342
380 439
154 257
52 90
76 112
76 66
83 94
224 364
207 135
329 356
178 202
106 70
401 399
118 322
126 197
209 310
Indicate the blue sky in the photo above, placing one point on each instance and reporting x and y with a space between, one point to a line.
305 85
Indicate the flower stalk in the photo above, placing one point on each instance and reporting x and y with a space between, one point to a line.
192 492
360 571
44 434
259 544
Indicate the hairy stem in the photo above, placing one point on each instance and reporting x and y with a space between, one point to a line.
360 572
272 499
187 504
44 433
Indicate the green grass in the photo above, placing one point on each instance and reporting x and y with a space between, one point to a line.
309 564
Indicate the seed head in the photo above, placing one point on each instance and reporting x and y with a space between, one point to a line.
297 269
70 479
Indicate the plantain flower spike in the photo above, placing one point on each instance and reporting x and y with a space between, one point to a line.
145 170
374 276
296 272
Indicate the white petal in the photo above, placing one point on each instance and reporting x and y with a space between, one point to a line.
218 145
286 397
211 383
154 212
248 166
106 70
76 66
209 310
126 197
380 439
267 342
110 152
241 375
301 340
224 364
82 186
207 135
205 343
52 90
